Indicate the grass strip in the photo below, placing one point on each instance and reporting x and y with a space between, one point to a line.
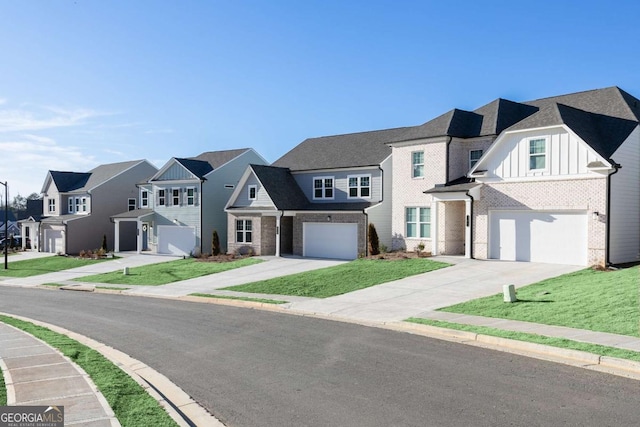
264 300
601 350
167 272
52 264
133 406
603 301
3 391
341 279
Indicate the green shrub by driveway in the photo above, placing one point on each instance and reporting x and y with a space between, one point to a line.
603 301
167 272
340 279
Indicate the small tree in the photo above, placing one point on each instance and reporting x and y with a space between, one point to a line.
215 244
104 243
374 242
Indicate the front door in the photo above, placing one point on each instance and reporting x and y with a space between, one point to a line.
145 236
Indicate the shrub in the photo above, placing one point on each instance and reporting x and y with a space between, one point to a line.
374 242
104 243
215 244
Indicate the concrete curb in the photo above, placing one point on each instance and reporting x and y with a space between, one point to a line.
179 405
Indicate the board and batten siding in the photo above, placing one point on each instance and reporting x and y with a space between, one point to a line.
625 202
341 185
175 172
566 155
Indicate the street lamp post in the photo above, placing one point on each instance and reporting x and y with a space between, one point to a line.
6 223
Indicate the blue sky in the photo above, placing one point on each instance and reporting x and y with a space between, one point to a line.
87 82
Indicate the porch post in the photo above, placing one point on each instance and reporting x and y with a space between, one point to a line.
434 227
138 235
467 229
278 235
116 237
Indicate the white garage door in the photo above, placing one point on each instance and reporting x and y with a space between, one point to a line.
339 241
176 240
551 237
54 241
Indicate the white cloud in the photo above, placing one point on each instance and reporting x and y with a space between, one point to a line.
39 118
3 101
153 131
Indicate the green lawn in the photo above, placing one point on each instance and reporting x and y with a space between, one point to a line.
262 300
604 301
133 406
33 267
340 279
167 272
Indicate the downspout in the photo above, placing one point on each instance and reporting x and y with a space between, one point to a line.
201 222
446 176
616 167
470 225
366 232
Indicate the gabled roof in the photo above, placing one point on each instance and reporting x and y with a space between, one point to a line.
281 187
80 182
197 167
10 216
204 163
340 151
219 158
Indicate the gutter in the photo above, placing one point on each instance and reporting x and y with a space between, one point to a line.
616 168
468 194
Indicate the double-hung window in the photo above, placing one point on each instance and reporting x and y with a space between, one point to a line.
417 164
52 205
191 196
253 190
359 186
70 204
161 197
175 197
144 198
537 154
243 230
418 222
474 156
131 204
323 188
84 204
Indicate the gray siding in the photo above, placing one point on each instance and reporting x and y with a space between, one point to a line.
341 185
380 215
186 215
262 197
175 172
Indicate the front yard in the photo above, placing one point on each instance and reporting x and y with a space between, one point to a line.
167 272
52 264
349 277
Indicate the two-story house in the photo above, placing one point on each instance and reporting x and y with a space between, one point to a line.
180 206
77 206
317 200
552 180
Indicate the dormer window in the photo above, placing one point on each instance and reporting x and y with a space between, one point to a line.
537 154
252 189
474 156
52 205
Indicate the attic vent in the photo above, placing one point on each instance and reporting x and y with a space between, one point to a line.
230 186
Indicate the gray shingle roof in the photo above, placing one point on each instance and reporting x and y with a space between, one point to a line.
197 167
135 213
219 158
69 181
340 151
281 187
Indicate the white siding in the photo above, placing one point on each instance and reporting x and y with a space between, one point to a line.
380 215
566 155
625 202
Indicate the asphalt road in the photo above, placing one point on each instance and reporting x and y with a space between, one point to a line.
254 368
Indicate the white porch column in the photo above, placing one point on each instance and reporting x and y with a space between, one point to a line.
116 237
138 236
434 227
278 235
467 229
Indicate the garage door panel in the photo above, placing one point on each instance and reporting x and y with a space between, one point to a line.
176 240
536 236
334 240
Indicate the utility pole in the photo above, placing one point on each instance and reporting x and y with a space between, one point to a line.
6 223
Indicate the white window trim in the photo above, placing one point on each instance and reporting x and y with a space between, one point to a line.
255 192
144 198
52 205
83 204
472 162
244 230
417 222
192 197
358 187
413 165
545 154
174 198
162 199
324 189
70 206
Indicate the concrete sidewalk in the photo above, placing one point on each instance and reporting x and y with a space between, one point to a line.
37 374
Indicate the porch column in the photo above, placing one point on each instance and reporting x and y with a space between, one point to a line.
467 229
116 237
434 227
278 235
138 236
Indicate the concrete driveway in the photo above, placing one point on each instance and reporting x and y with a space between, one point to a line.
465 280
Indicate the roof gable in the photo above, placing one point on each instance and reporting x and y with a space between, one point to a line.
198 168
281 187
69 181
217 159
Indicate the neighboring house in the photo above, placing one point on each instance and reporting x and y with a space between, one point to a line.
12 226
552 180
180 206
30 224
317 200
77 206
